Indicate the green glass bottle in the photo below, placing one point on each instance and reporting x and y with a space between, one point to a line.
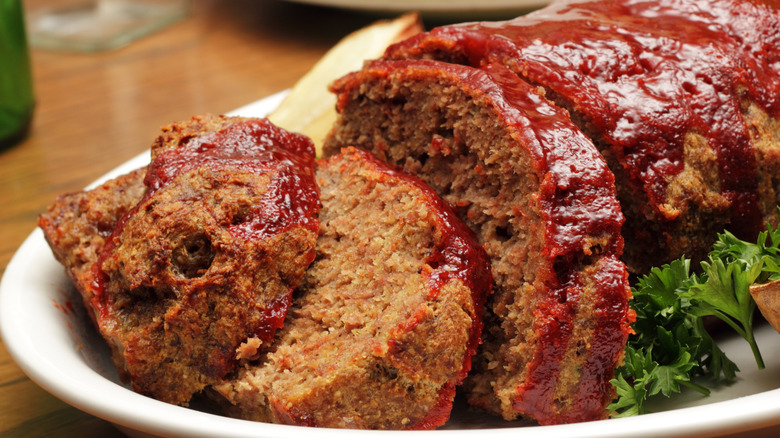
16 93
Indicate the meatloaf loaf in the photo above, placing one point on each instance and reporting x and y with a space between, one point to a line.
384 325
77 225
542 202
681 96
183 271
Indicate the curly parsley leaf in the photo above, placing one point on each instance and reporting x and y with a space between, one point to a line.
726 295
630 397
670 345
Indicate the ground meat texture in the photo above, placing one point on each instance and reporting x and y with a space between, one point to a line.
198 274
77 224
681 96
178 134
387 318
542 203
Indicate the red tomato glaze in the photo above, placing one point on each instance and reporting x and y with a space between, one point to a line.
255 146
643 74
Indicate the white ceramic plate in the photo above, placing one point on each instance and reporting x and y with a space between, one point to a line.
44 328
437 6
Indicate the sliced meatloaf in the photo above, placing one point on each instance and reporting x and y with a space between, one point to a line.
205 261
542 202
77 225
387 318
681 96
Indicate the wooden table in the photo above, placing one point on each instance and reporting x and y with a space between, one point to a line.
96 111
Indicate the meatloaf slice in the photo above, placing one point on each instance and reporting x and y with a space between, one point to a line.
387 318
77 225
205 262
681 96
542 203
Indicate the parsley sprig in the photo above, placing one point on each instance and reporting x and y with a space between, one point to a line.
671 346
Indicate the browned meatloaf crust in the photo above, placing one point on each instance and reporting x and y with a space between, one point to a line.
681 96
206 261
542 202
386 320
77 225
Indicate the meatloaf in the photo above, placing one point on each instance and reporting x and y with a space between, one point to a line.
542 202
386 320
682 97
77 225
182 275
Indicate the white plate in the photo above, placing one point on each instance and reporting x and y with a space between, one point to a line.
44 329
438 6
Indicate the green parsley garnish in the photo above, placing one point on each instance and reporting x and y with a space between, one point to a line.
671 345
